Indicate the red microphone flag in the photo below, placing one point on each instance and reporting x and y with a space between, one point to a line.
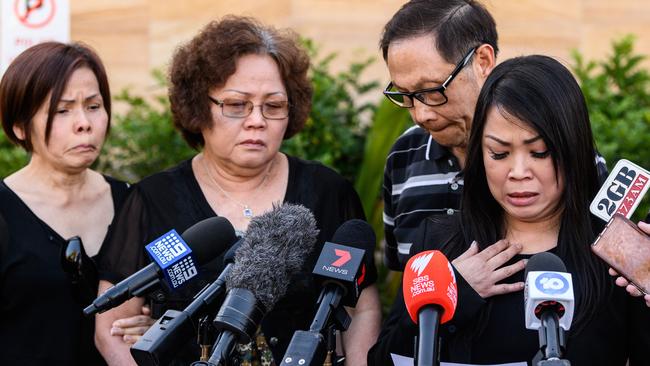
429 280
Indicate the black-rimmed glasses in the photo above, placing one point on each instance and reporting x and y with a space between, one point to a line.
239 108
432 96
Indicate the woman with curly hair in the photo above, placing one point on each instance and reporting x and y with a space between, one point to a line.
237 90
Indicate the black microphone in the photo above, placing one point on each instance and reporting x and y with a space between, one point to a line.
549 303
275 247
162 340
340 271
207 240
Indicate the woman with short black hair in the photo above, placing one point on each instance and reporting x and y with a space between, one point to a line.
55 103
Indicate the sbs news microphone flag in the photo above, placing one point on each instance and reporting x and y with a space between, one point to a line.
429 280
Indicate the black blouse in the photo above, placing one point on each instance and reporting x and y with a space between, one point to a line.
173 199
617 332
41 322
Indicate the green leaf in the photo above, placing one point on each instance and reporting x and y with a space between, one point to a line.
617 92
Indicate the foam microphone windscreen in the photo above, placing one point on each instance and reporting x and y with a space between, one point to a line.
275 246
429 280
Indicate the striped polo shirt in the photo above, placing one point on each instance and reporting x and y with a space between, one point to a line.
421 178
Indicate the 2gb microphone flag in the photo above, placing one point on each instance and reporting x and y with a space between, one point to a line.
173 255
622 191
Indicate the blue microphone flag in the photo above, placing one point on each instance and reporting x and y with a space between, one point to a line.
173 256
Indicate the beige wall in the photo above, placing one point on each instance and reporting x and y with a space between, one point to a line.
134 36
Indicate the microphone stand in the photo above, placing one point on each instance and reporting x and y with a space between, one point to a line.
552 340
205 337
308 348
429 322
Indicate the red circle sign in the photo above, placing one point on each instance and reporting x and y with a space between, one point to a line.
34 13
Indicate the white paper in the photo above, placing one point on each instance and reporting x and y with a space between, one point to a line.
408 361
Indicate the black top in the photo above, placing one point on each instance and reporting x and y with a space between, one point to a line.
173 199
617 332
41 323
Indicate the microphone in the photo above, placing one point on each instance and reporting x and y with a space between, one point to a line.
276 246
341 270
173 259
430 295
549 305
621 192
160 342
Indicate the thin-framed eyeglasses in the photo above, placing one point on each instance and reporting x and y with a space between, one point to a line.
240 108
431 96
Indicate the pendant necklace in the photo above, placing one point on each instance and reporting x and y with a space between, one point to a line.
246 210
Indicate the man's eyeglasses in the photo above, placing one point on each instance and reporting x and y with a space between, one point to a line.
431 96
238 108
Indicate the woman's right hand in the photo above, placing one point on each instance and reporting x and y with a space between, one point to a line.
482 270
131 329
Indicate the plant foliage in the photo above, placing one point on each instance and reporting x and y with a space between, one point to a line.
617 91
12 157
143 139
335 132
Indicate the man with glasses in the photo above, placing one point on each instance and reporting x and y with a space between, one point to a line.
438 53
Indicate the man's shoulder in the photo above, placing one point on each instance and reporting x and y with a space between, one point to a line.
414 137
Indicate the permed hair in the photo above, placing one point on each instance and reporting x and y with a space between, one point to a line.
210 58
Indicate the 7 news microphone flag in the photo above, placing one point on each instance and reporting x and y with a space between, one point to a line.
340 270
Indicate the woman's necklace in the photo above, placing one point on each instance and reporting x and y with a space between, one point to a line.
247 211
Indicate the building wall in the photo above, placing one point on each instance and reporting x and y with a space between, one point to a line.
135 36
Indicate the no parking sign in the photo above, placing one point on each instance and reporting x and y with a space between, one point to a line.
24 23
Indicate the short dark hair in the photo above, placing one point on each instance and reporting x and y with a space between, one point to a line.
542 93
455 26
209 59
38 71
